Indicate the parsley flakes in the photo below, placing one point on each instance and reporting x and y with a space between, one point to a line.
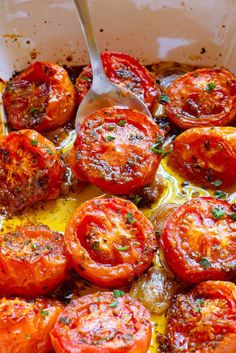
218 212
109 138
200 303
113 305
164 98
118 293
204 262
129 218
210 86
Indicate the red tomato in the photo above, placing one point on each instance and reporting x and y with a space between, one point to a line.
110 241
206 156
32 261
103 323
25 325
42 97
203 320
205 97
113 150
199 240
124 71
30 170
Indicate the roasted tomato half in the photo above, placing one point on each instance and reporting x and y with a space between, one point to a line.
30 170
32 261
206 156
203 320
25 325
205 97
124 71
103 322
117 149
42 97
199 240
110 241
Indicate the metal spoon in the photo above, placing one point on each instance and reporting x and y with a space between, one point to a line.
103 93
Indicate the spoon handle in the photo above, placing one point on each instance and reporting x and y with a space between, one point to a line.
99 75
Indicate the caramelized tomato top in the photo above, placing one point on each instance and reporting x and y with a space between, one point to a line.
204 320
116 150
110 241
204 97
124 71
103 322
199 240
30 170
41 97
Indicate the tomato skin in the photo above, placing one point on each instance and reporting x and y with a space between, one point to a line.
30 170
110 241
206 156
124 71
94 326
197 245
120 160
203 320
202 98
41 97
32 261
25 325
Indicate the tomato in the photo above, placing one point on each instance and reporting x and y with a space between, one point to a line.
124 71
110 241
113 150
32 261
25 325
103 323
206 156
204 97
30 170
42 97
199 240
203 320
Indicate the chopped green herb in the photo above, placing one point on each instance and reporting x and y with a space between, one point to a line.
158 81
204 262
195 74
200 303
34 142
121 123
109 138
49 151
65 320
164 98
137 199
233 216
218 212
111 127
210 86
96 245
34 246
113 305
84 78
124 248
44 313
28 241
158 233
118 293
218 182
48 247
129 218
220 195
27 336
155 148
33 110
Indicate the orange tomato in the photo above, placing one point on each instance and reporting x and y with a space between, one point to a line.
110 241
204 97
103 323
32 261
41 97
25 325
30 170
115 149
206 156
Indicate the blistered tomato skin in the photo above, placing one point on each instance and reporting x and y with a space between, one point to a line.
203 320
42 98
124 71
206 156
30 170
33 261
102 323
199 240
25 325
110 241
113 150
202 98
